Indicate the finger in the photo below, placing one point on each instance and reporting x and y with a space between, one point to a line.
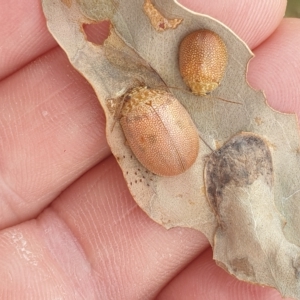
94 241
52 130
203 277
275 68
252 21
24 35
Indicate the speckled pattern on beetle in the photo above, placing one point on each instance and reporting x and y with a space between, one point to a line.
202 61
159 131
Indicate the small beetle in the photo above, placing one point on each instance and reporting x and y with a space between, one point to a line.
159 131
202 61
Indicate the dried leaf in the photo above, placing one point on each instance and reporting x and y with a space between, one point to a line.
247 204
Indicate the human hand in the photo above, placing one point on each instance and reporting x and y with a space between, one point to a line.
69 227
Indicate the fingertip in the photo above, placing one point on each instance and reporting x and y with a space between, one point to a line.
252 20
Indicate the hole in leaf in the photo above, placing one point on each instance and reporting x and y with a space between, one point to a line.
97 33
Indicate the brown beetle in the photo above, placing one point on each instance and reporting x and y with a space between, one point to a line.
202 61
159 131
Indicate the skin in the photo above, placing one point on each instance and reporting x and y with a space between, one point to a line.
69 227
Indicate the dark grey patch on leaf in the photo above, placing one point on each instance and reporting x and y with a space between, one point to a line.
241 161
